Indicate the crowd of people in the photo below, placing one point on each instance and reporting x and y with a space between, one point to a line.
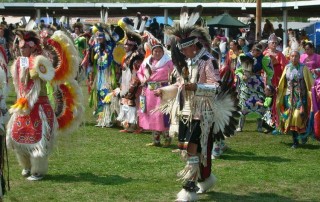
196 88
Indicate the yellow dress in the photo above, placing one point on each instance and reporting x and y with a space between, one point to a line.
294 98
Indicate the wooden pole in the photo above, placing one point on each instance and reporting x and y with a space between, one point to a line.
258 20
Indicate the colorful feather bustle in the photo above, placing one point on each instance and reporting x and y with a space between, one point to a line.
69 59
69 108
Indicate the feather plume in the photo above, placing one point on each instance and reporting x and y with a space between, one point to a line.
62 20
135 23
31 25
23 21
143 24
106 17
184 16
194 16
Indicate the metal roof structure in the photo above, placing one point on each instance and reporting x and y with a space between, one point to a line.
269 9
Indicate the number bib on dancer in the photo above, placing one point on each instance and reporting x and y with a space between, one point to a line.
28 128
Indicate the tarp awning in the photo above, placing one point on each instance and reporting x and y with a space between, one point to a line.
225 21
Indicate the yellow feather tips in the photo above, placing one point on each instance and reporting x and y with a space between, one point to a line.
118 53
122 24
69 57
108 97
94 29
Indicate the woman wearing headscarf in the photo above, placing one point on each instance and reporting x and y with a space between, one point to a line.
153 74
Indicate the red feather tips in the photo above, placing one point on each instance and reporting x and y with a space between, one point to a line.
60 72
67 116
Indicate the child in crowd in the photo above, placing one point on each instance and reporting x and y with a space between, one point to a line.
267 119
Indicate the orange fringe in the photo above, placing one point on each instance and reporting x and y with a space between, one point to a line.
21 103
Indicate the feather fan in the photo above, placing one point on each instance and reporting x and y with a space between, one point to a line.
226 109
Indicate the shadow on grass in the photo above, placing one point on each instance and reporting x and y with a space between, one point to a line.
250 156
88 177
261 197
94 123
303 146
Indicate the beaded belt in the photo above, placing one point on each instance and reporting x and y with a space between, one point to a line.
153 85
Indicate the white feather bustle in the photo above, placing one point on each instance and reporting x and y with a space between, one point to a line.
186 196
206 184
223 106
44 68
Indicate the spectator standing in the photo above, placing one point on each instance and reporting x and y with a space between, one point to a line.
278 60
4 21
154 27
251 36
42 24
311 59
243 43
279 32
268 29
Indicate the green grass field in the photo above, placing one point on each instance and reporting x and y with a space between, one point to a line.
101 164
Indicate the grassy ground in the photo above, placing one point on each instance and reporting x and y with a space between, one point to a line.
101 164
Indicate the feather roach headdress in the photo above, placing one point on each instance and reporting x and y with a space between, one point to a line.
29 38
187 33
77 25
133 38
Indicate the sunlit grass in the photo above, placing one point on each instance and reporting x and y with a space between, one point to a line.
101 164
